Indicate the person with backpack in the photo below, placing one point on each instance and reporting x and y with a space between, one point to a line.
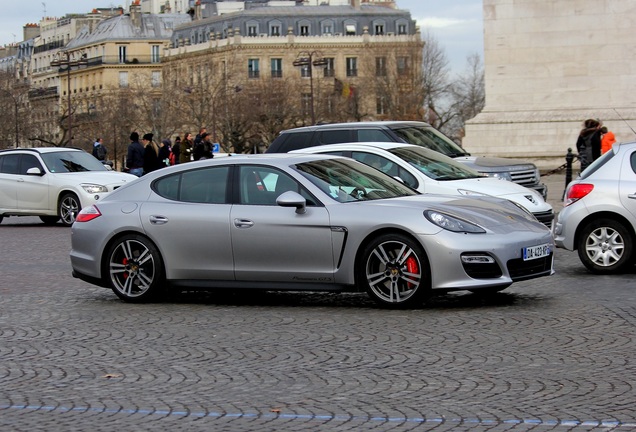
588 144
165 152
99 150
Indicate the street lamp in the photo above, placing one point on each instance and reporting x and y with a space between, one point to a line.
310 59
66 60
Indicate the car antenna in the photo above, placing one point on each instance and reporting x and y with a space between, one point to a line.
628 125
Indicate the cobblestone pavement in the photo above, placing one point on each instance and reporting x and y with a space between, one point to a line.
553 354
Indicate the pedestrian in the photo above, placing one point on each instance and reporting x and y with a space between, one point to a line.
207 146
199 136
607 140
151 154
185 152
99 150
165 149
135 156
588 144
176 149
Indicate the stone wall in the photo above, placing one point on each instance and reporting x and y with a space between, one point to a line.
549 65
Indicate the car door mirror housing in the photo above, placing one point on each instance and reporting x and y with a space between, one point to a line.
35 171
292 199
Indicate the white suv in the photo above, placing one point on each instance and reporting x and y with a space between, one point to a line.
53 182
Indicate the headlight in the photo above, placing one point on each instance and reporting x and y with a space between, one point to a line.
470 193
501 176
94 188
451 223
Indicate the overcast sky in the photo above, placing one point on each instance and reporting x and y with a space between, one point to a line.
456 24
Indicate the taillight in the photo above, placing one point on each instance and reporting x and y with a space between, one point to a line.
576 192
88 214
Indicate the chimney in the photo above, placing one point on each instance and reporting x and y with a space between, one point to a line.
135 14
355 4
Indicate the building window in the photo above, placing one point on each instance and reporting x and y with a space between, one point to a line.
402 65
274 30
329 67
277 68
305 103
380 66
122 54
154 54
352 66
379 29
401 28
350 29
123 79
253 68
304 30
155 79
252 30
305 72
380 107
327 29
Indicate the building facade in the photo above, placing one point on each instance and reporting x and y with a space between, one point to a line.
549 65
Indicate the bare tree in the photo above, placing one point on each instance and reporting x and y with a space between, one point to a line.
468 95
13 105
435 82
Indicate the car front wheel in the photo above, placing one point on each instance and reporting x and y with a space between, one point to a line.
68 208
395 271
605 246
135 269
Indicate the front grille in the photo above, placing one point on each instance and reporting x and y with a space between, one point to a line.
520 269
545 218
526 178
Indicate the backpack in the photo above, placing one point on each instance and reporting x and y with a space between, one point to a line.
101 152
171 158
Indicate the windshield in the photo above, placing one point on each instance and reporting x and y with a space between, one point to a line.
430 138
434 165
347 180
65 161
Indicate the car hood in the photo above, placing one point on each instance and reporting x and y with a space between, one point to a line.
495 214
99 177
487 164
523 196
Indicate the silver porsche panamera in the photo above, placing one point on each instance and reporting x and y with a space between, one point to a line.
301 222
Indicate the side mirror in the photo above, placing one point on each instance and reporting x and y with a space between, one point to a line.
35 171
292 199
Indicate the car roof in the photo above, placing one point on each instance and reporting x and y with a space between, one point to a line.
356 125
361 145
41 149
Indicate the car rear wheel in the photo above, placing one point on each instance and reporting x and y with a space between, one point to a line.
135 269
68 208
49 220
395 271
605 246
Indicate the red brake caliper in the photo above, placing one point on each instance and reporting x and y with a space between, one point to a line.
125 262
411 267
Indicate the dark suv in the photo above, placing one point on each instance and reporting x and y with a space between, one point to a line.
411 132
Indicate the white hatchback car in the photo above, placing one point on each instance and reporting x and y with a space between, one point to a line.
54 183
429 171
599 215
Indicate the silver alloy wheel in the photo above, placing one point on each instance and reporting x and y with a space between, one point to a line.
604 246
132 268
393 272
69 207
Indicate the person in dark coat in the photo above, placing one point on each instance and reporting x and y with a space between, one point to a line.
176 150
588 144
135 156
151 154
164 153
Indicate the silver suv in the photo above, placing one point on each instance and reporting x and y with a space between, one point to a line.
410 132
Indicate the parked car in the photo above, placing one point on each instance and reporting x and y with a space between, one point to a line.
301 222
53 183
409 132
429 171
599 212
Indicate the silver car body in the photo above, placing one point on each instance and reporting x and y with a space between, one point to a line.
612 178
465 181
276 247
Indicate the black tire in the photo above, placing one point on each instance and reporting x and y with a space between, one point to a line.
394 270
49 220
68 208
135 269
605 246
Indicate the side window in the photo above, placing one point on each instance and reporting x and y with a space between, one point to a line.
373 135
263 185
29 161
633 161
296 141
11 164
206 186
386 166
334 136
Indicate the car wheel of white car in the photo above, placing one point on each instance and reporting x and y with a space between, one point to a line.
395 271
605 246
49 220
135 269
68 208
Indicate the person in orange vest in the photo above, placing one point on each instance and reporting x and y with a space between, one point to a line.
607 139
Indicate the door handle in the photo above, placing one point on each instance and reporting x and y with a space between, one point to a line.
243 223
631 196
158 220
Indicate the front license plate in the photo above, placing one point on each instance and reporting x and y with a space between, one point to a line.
535 252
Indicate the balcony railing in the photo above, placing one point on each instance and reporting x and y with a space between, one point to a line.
128 60
42 92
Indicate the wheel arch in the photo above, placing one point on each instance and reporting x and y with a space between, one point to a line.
103 265
603 215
